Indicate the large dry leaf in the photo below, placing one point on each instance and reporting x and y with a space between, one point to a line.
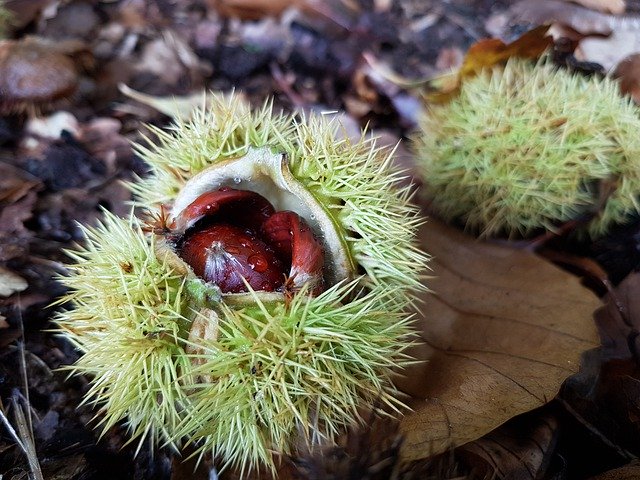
604 394
630 472
501 333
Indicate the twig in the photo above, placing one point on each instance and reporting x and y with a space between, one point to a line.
24 436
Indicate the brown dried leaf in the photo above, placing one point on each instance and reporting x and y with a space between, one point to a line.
487 53
604 394
490 52
628 74
252 9
629 472
13 216
15 183
503 330
619 320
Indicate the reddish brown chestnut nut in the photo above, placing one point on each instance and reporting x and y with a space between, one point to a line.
225 254
231 236
294 240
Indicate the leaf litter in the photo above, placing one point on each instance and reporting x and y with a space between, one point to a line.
505 328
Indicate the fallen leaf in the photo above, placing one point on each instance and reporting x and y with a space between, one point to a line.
501 333
518 450
11 283
603 395
252 9
616 7
629 472
628 74
180 108
13 216
15 183
618 320
487 53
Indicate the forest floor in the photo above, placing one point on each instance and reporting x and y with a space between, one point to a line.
64 159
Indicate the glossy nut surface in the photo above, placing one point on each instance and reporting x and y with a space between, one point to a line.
225 254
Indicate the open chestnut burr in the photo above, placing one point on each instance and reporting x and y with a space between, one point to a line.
261 305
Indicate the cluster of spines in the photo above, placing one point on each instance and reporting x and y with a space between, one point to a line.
274 368
128 318
304 370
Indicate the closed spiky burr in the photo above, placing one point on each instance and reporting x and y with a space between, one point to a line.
320 234
529 146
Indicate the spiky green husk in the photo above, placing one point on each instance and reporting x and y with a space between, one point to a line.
527 146
130 317
353 182
276 373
